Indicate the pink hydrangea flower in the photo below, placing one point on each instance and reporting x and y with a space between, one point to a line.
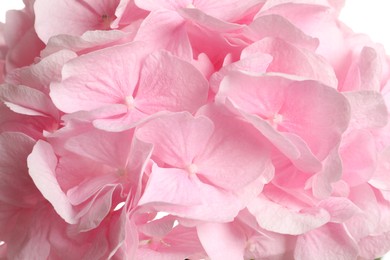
202 129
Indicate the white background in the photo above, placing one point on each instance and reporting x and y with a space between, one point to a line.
363 16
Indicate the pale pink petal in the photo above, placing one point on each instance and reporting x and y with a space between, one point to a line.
153 5
42 164
340 209
381 177
328 242
255 63
121 120
184 240
87 42
368 109
128 13
167 191
279 27
262 104
171 186
32 126
359 156
96 209
278 218
25 45
99 79
174 242
331 172
307 161
365 73
40 75
366 222
262 243
230 10
279 140
88 188
263 95
373 247
16 187
222 240
104 147
310 105
81 16
167 30
169 83
28 101
205 20
293 60
235 155
178 138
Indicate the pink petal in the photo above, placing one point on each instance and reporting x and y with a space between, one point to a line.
42 164
229 10
168 83
87 42
166 30
96 209
340 209
121 120
365 73
89 188
16 187
368 109
381 177
260 104
81 16
358 154
167 191
365 223
222 240
235 155
331 172
255 63
310 105
40 75
205 20
278 218
279 27
103 147
294 60
373 247
177 138
328 242
28 101
99 79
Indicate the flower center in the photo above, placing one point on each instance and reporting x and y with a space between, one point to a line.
276 119
192 169
106 21
190 5
122 172
129 101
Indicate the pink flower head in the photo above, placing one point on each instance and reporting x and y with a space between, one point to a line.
192 129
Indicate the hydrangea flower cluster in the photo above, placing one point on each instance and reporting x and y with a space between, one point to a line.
192 129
